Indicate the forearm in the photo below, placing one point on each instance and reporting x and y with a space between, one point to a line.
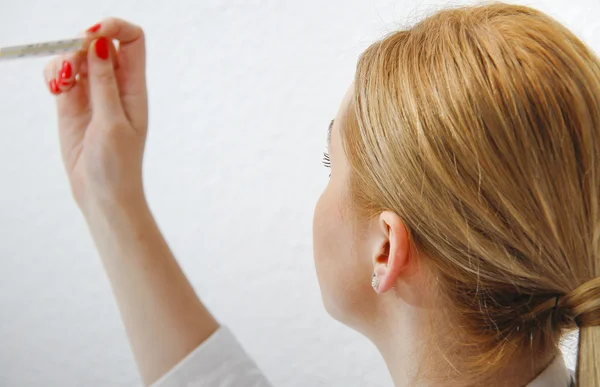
163 317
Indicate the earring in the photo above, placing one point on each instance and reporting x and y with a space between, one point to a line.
375 281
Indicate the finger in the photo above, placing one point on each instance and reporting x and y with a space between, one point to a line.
50 74
132 49
83 71
72 127
72 104
61 72
65 76
60 75
104 90
131 73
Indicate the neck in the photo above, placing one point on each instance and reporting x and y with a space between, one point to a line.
399 338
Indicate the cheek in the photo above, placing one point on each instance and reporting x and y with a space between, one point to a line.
327 230
337 262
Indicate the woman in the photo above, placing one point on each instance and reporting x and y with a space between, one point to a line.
465 179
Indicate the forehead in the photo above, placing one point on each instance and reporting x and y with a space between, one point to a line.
341 117
343 109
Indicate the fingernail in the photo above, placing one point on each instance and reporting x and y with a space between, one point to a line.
53 86
65 84
66 71
94 28
101 47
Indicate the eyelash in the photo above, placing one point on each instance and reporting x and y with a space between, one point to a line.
326 161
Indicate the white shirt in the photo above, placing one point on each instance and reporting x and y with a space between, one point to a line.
220 361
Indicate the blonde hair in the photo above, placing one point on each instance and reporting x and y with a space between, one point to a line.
480 127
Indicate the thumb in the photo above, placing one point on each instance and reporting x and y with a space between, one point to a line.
104 91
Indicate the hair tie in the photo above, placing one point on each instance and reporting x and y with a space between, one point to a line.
555 307
576 320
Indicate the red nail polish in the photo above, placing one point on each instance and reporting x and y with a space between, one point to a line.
102 48
54 86
65 82
94 28
66 70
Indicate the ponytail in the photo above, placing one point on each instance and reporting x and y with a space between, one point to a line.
588 357
584 306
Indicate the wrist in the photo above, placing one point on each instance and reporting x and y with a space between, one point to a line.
94 207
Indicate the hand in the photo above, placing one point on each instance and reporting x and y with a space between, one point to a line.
102 113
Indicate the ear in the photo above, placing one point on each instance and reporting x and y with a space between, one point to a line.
391 253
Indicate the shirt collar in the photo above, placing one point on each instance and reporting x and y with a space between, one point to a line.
555 375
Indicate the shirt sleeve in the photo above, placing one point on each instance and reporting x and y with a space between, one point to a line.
220 361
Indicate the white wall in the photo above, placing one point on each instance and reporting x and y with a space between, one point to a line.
241 93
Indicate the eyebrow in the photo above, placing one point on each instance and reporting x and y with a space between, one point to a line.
329 133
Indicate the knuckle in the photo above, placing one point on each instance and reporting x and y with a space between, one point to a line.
108 125
139 30
122 23
49 68
114 128
105 76
115 132
110 20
